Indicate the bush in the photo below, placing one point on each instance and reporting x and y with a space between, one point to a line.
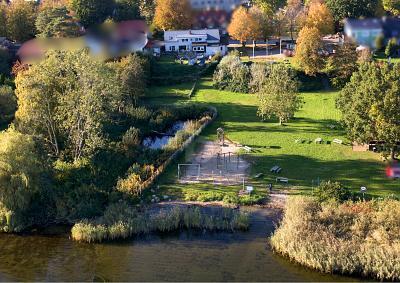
332 191
259 73
131 138
232 74
122 221
8 105
359 238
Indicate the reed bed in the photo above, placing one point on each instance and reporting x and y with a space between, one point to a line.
353 238
121 222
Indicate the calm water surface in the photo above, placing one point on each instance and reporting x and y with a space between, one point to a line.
184 256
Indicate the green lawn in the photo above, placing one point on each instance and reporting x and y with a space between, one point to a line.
275 144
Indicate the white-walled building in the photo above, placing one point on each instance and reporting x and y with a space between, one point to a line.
205 41
227 5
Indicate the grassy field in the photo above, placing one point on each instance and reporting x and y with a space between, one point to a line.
303 163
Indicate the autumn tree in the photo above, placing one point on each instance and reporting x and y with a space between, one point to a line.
293 16
392 6
308 51
370 105
56 22
21 17
269 6
343 64
173 14
92 12
68 98
279 95
320 17
246 24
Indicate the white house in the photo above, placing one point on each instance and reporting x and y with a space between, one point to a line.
204 41
227 5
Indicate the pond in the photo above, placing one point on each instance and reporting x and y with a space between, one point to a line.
184 256
158 141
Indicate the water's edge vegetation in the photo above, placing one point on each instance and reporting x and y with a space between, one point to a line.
121 221
352 238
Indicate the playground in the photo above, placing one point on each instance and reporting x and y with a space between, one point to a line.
219 162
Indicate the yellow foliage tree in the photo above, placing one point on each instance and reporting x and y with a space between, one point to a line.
173 14
320 17
246 25
308 47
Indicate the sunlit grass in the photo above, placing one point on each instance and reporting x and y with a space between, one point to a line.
303 163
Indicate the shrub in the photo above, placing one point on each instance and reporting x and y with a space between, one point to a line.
359 238
8 105
122 221
259 73
232 74
332 191
131 138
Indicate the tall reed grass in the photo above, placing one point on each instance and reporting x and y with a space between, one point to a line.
120 222
357 238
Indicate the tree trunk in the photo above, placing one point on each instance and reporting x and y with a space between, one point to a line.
280 121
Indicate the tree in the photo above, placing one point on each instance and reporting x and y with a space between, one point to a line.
55 22
246 25
8 105
147 9
126 10
21 17
68 98
308 51
131 73
391 47
23 179
231 74
279 95
380 42
293 15
173 14
3 19
342 9
269 6
392 6
92 12
370 105
5 61
343 64
320 17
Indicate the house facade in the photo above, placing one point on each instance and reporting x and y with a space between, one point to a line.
205 41
365 31
226 5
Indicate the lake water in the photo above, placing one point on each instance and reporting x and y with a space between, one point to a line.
184 256
159 141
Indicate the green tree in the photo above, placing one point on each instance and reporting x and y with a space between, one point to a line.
342 9
380 42
3 19
21 17
343 64
308 51
370 104
68 99
126 10
131 73
92 12
147 9
23 181
56 22
8 105
279 96
392 6
391 47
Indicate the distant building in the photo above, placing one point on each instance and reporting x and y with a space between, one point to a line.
365 31
205 41
227 5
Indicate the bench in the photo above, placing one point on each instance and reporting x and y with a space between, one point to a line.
318 140
275 169
337 141
247 148
282 180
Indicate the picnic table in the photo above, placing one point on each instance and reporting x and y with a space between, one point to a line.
276 169
282 180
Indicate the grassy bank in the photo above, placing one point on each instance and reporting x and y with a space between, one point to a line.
303 163
351 238
121 221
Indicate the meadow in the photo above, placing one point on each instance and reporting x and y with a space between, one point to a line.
304 163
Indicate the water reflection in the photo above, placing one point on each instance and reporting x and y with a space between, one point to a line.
158 141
